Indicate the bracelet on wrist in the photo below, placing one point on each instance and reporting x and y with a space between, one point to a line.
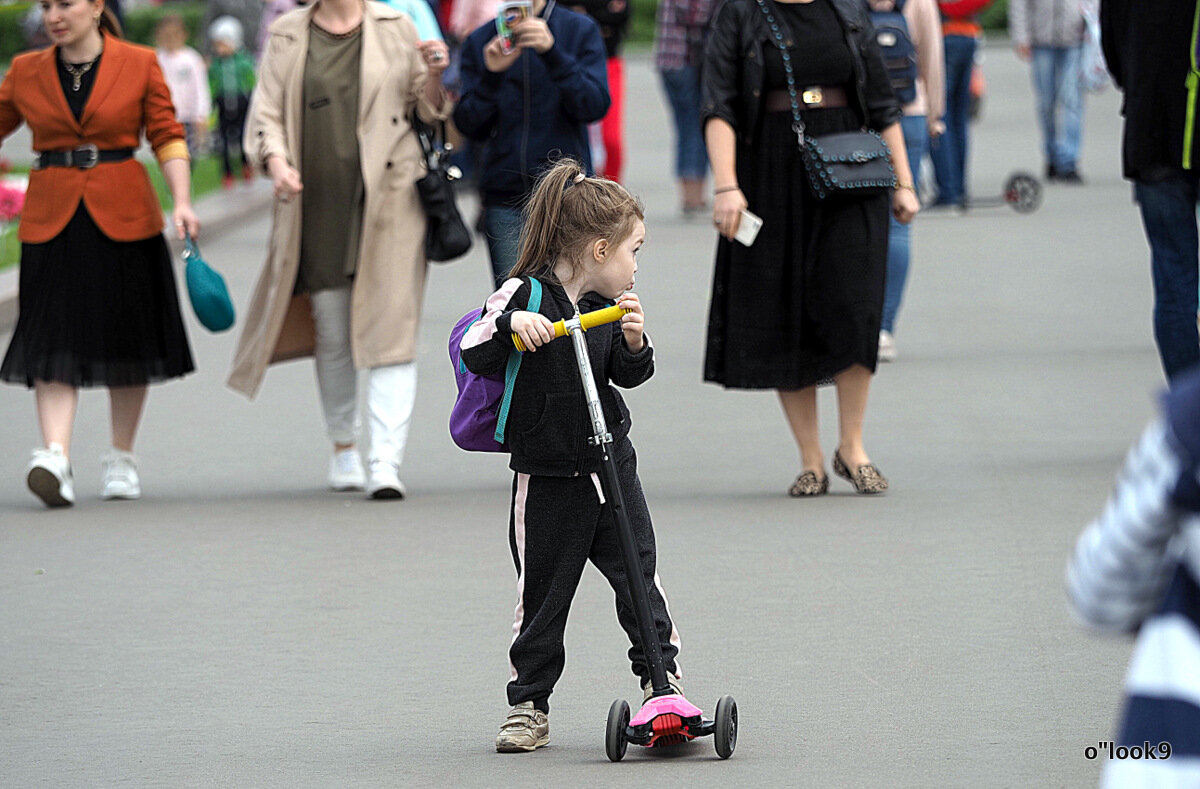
905 185
723 189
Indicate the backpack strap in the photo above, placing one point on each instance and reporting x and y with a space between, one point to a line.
514 363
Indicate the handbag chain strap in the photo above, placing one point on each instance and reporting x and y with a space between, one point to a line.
766 7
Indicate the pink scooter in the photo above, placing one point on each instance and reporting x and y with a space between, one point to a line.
667 718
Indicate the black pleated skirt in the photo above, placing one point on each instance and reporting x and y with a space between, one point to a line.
97 312
806 300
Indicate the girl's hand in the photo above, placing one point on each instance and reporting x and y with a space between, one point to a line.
494 58
905 205
186 222
285 178
727 212
533 328
634 322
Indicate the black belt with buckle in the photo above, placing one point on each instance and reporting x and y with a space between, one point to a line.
85 157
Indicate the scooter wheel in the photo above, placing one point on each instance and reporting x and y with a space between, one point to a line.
1023 192
614 739
725 727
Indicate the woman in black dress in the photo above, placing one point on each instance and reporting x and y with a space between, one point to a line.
97 302
802 306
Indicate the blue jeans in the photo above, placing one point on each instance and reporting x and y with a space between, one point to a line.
1169 215
1056 81
683 91
503 228
916 142
949 151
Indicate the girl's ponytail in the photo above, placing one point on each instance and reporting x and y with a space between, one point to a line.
568 210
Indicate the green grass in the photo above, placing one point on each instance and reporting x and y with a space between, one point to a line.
206 178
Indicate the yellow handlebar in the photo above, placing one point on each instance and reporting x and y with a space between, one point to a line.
587 321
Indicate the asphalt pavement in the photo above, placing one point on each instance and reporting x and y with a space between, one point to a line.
242 626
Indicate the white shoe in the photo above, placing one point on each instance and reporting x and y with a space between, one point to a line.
346 470
887 347
50 477
120 479
385 480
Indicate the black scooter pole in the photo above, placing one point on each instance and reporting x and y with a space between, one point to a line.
611 486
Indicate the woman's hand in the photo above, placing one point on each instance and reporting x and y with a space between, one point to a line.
905 205
533 328
285 178
186 222
727 212
436 55
633 323
494 58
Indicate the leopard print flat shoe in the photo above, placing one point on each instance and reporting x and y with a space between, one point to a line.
865 479
809 484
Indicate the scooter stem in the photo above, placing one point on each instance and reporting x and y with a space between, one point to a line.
610 483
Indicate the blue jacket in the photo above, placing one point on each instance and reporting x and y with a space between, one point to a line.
538 110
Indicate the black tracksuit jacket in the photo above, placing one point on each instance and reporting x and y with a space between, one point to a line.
548 426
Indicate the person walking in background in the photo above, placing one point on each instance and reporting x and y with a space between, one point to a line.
248 13
97 299
950 152
1149 51
580 245
1049 34
187 77
231 79
921 89
678 54
331 125
613 18
802 305
1136 569
558 58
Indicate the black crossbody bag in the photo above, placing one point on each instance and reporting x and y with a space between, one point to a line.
845 165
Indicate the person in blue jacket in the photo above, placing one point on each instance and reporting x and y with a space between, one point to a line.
532 105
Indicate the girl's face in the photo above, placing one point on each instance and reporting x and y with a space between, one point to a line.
172 37
613 274
69 22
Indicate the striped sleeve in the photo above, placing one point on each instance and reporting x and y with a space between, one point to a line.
486 345
1120 567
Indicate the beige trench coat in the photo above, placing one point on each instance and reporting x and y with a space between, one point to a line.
390 281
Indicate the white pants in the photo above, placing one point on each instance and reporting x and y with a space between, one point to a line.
391 390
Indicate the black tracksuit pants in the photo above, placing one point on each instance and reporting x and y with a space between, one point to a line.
556 525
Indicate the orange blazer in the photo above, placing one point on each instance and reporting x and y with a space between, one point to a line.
129 95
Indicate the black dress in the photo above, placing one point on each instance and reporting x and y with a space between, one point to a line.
93 311
805 301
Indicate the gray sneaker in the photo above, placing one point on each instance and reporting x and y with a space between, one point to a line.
525 729
648 688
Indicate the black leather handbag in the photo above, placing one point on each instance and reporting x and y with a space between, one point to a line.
446 234
847 165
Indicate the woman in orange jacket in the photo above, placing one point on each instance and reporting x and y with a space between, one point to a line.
98 304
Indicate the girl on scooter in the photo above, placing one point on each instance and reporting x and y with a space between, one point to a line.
580 240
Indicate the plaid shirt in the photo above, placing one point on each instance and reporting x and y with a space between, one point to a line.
679 34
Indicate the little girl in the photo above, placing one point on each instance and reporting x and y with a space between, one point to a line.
580 240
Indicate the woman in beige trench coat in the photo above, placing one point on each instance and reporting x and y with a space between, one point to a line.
345 269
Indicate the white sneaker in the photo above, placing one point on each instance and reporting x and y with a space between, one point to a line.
120 480
346 470
887 347
384 482
50 477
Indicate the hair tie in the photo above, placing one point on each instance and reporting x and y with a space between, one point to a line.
579 178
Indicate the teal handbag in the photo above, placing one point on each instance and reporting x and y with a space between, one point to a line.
207 291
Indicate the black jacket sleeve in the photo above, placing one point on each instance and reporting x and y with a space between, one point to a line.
478 109
627 369
720 87
489 356
1113 22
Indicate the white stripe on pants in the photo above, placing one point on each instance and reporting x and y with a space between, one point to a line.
391 390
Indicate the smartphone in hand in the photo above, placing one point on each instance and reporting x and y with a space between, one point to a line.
748 228
509 14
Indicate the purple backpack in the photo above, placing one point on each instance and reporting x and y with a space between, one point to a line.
480 413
